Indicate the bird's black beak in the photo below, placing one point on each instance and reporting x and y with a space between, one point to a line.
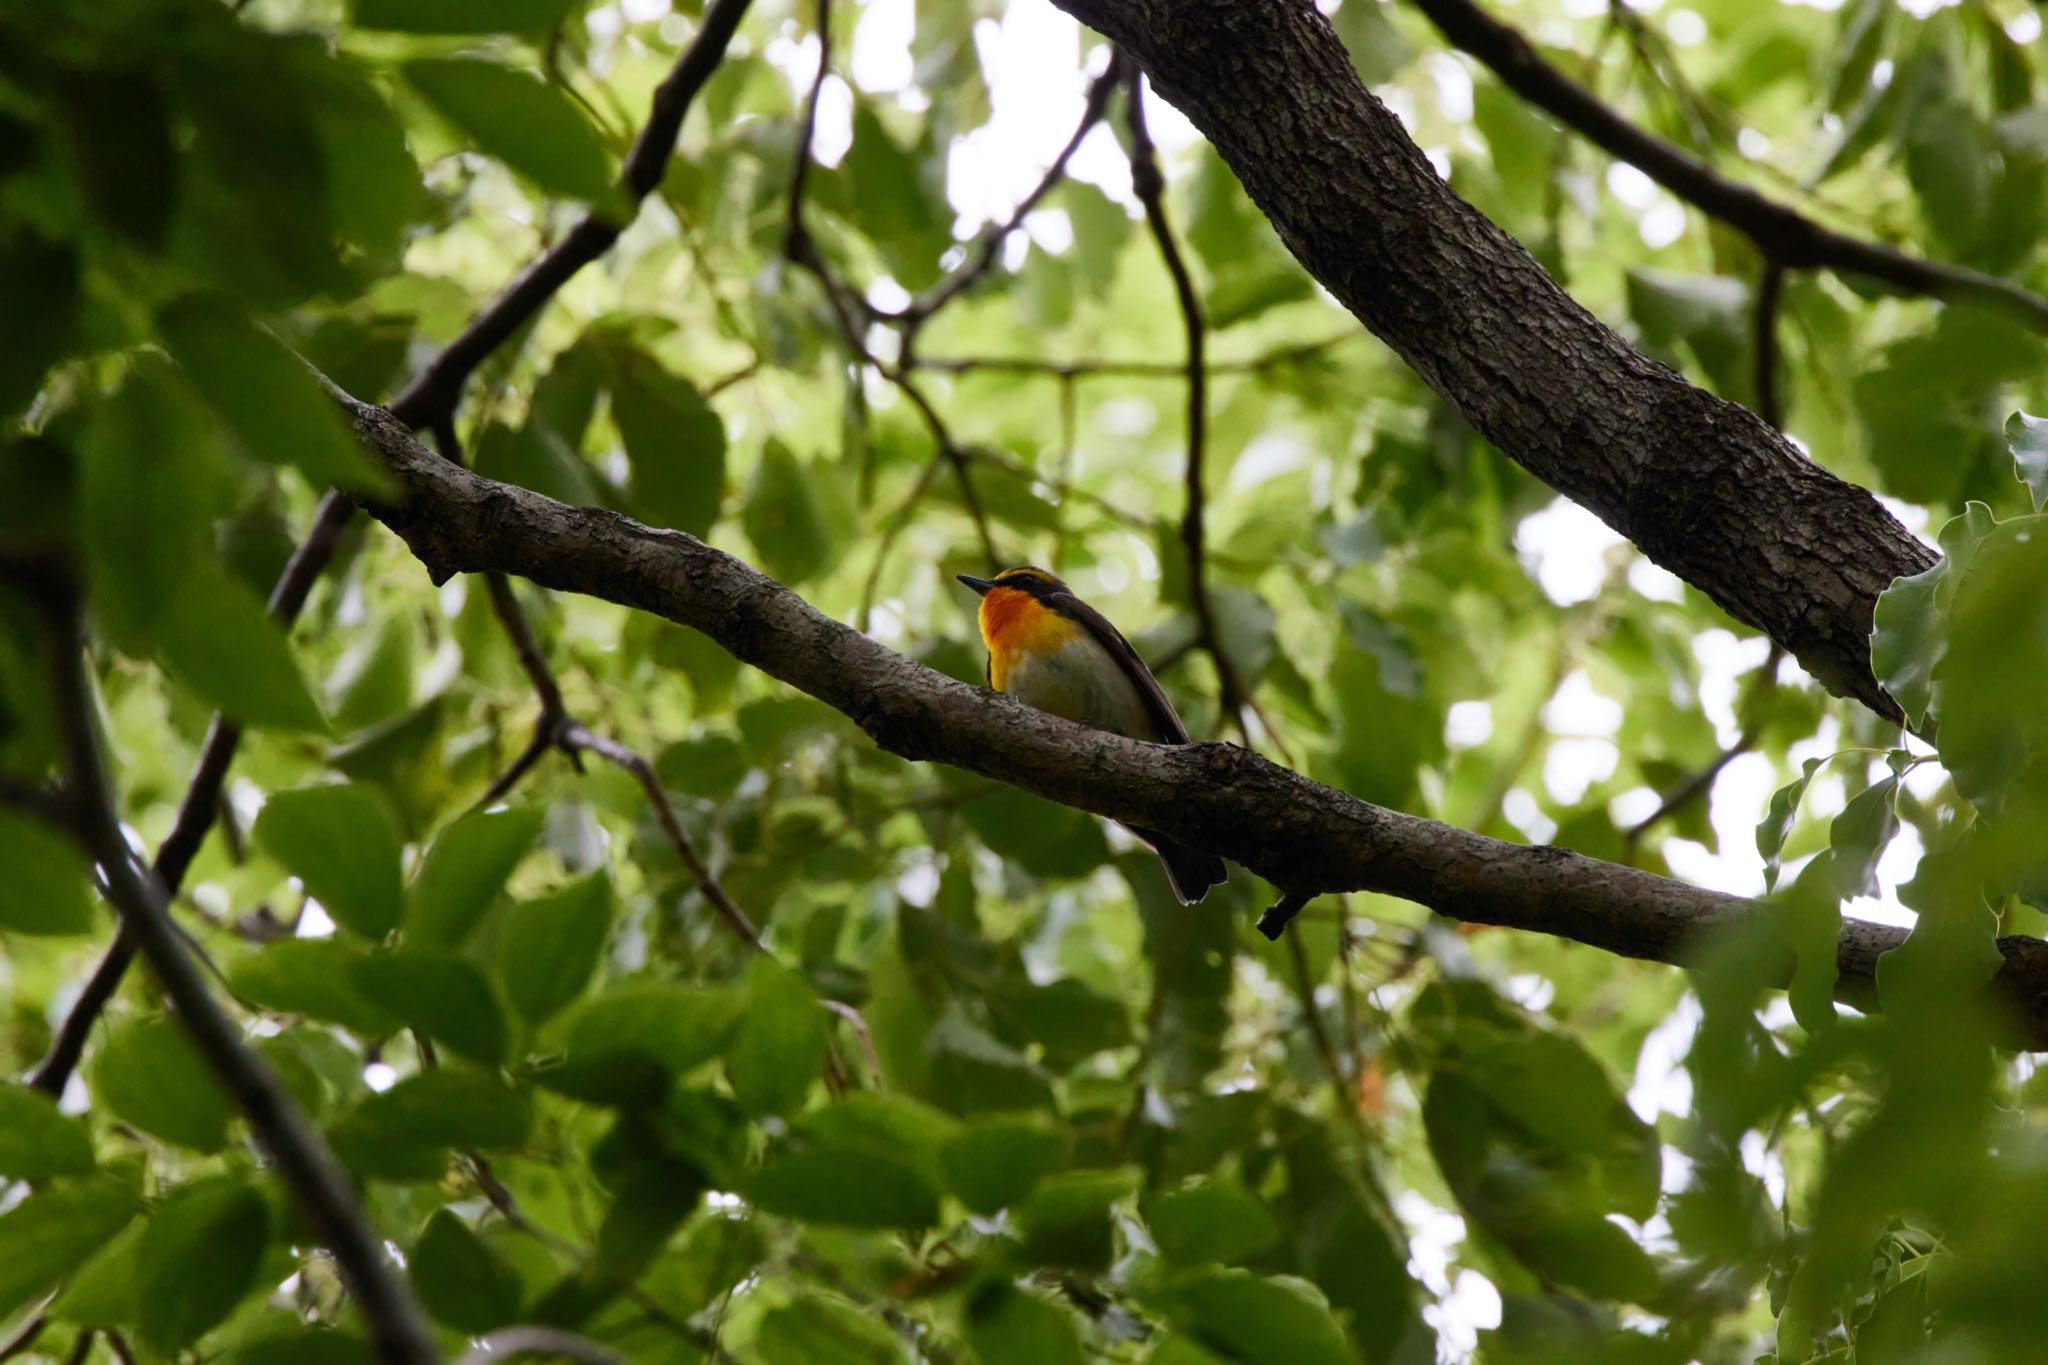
980 585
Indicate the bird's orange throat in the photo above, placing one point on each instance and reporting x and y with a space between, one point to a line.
1014 622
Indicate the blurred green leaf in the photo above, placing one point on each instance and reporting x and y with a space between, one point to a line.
264 395
784 519
817 1330
1218 1220
462 1282
460 16
1008 1326
778 1049
465 868
445 997
149 1075
553 944
675 443
343 843
532 127
55 1230
48 881
198 1258
995 1162
314 977
1249 1318
36 1142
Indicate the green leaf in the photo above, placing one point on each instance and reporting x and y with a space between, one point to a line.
1858 837
529 125
899 199
47 879
1260 1319
465 868
675 443
1043 837
820 1330
553 944
216 636
784 517
779 1048
1377 48
1007 1326
265 395
149 1075
54 1231
628 1044
1812 912
2028 437
314 977
38 279
152 477
1776 825
460 16
462 1282
440 1108
198 1258
997 1162
1067 1220
344 843
845 1189
445 997
37 1142
1218 1220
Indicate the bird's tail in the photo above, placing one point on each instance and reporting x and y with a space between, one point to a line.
1189 871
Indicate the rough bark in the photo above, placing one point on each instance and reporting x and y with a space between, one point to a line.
1296 833
1701 485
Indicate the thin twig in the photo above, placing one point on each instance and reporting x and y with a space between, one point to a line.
1150 187
304 1163
435 391
1281 913
1702 781
24 1336
1782 233
1277 358
981 257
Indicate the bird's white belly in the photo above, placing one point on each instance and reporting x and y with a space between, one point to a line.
1082 682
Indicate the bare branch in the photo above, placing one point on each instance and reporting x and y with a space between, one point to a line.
1277 358
1782 233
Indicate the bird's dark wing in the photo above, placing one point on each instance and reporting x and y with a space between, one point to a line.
1171 731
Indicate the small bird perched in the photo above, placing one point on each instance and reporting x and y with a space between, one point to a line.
1050 650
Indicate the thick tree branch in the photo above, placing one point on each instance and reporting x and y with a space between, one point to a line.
1781 233
1702 486
304 1164
1296 833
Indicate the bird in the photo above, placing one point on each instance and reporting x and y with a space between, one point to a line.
1052 651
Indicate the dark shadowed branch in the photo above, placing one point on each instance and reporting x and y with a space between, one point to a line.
304 1165
1301 835
1782 233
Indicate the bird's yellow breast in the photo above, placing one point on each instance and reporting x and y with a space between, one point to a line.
1015 624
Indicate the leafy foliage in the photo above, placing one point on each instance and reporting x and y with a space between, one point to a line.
983 1090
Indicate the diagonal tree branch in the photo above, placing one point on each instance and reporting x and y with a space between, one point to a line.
1781 233
304 1163
1301 835
1702 486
